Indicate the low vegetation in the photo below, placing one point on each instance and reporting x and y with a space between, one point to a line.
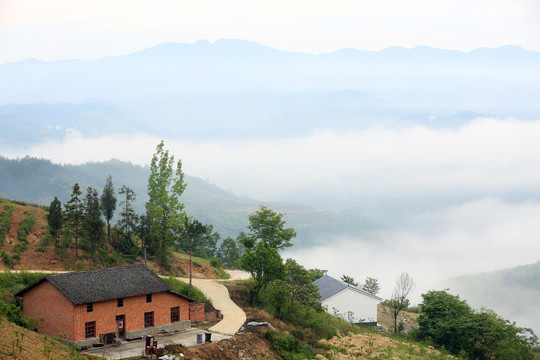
5 219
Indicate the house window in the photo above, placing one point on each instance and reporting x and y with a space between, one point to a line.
90 329
175 314
89 307
120 302
149 298
148 319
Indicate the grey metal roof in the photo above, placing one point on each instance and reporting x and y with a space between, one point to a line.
111 283
328 287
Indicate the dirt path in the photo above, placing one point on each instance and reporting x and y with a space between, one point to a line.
233 316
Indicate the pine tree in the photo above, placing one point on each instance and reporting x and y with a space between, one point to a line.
92 224
55 220
74 215
108 203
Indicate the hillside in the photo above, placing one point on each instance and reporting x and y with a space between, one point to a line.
39 181
513 293
39 253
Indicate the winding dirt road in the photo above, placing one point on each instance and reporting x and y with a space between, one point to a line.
233 316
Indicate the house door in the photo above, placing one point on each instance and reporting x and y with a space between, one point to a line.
121 325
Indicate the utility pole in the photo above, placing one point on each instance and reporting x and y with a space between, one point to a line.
190 266
145 246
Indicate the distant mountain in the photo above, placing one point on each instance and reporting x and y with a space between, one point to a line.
234 88
513 293
38 181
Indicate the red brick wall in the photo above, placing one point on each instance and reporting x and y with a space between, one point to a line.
105 312
44 301
61 316
196 312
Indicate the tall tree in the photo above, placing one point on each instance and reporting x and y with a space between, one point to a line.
371 285
108 203
268 226
93 225
74 215
400 296
229 253
295 289
164 210
128 217
55 219
264 264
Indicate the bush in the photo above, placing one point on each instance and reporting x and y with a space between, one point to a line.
451 323
182 288
215 262
288 347
6 259
5 220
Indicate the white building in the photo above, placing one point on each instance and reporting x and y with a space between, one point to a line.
347 301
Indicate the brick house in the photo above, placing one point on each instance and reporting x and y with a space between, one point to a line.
129 302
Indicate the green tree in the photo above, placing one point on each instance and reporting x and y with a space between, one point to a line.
449 322
295 289
193 229
371 285
92 223
200 238
229 253
74 209
264 264
164 210
349 280
269 227
108 203
400 296
317 273
55 219
128 218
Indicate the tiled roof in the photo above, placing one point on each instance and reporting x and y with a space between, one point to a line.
111 283
328 287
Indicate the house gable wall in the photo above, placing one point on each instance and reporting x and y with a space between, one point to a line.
46 302
364 307
105 312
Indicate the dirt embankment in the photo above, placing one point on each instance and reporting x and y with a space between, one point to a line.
39 257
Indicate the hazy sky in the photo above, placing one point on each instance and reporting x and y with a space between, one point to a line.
59 29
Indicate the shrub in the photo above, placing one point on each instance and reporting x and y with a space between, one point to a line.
288 347
182 288
5 220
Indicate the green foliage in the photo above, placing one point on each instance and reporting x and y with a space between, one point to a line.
349 280
449 322
128 218
6 259
5 221
264 264
215 262
198 237
92 223
55 219
229 252
371 285
289 347
108 203
317 273
24 229
11 283
182 288
295 289
164 210
74 217
267 226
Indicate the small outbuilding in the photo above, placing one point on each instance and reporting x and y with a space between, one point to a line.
347 301
87 307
